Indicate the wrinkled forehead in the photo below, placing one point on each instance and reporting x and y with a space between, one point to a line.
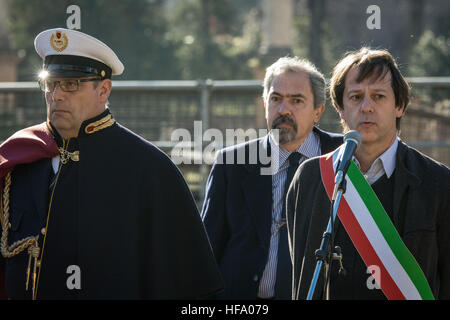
291 83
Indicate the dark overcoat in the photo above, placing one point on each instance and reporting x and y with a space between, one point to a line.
421 215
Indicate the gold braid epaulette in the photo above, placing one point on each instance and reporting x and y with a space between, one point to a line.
20 245
103 123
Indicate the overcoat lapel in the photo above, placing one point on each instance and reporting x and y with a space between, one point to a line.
404 180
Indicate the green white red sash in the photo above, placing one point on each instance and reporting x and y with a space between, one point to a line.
374 235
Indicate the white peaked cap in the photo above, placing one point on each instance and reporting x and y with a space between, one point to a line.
68 52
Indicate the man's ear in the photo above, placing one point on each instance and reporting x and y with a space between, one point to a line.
318 113
266 112
399 111
104 89
341 114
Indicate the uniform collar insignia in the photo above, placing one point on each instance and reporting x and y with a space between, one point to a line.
98 125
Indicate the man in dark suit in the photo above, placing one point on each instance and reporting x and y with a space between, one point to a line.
371 96
243 210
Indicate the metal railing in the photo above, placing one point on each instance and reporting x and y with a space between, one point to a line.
155 109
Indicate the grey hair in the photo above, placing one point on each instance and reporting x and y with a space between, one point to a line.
295 64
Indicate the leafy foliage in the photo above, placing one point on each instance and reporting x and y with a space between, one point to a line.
192 39
430 56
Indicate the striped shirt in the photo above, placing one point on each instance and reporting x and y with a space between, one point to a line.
309 148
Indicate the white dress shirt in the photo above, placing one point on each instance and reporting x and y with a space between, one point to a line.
385 163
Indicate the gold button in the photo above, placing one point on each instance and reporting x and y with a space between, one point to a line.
43 231
38 264
9 225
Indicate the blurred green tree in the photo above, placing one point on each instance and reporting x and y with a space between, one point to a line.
315 38
155 39
430 56
211 40
318 41
135 29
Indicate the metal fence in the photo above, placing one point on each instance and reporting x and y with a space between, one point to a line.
155 109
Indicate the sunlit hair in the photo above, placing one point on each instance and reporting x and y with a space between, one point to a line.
373 64
294 65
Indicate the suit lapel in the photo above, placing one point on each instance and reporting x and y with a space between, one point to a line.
328 143
257 190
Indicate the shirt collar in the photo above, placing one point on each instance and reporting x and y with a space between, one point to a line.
309 148
386 160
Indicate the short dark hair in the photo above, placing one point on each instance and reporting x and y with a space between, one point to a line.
370 63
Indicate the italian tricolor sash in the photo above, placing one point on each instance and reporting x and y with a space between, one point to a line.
374 235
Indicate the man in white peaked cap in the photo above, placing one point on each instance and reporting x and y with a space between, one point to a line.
91 210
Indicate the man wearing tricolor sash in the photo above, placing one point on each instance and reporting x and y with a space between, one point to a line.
393 222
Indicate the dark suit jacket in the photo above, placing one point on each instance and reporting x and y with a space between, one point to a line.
237 214
421 215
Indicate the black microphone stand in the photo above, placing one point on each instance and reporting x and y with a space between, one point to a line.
325 254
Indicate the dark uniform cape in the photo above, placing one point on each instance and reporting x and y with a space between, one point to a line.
25 146
421 215
237 213
122 214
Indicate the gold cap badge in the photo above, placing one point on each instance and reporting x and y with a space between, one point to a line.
59 41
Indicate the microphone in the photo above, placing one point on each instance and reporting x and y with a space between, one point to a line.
352 139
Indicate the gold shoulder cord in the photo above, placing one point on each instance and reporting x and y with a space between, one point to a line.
100 124
17 247
29 242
